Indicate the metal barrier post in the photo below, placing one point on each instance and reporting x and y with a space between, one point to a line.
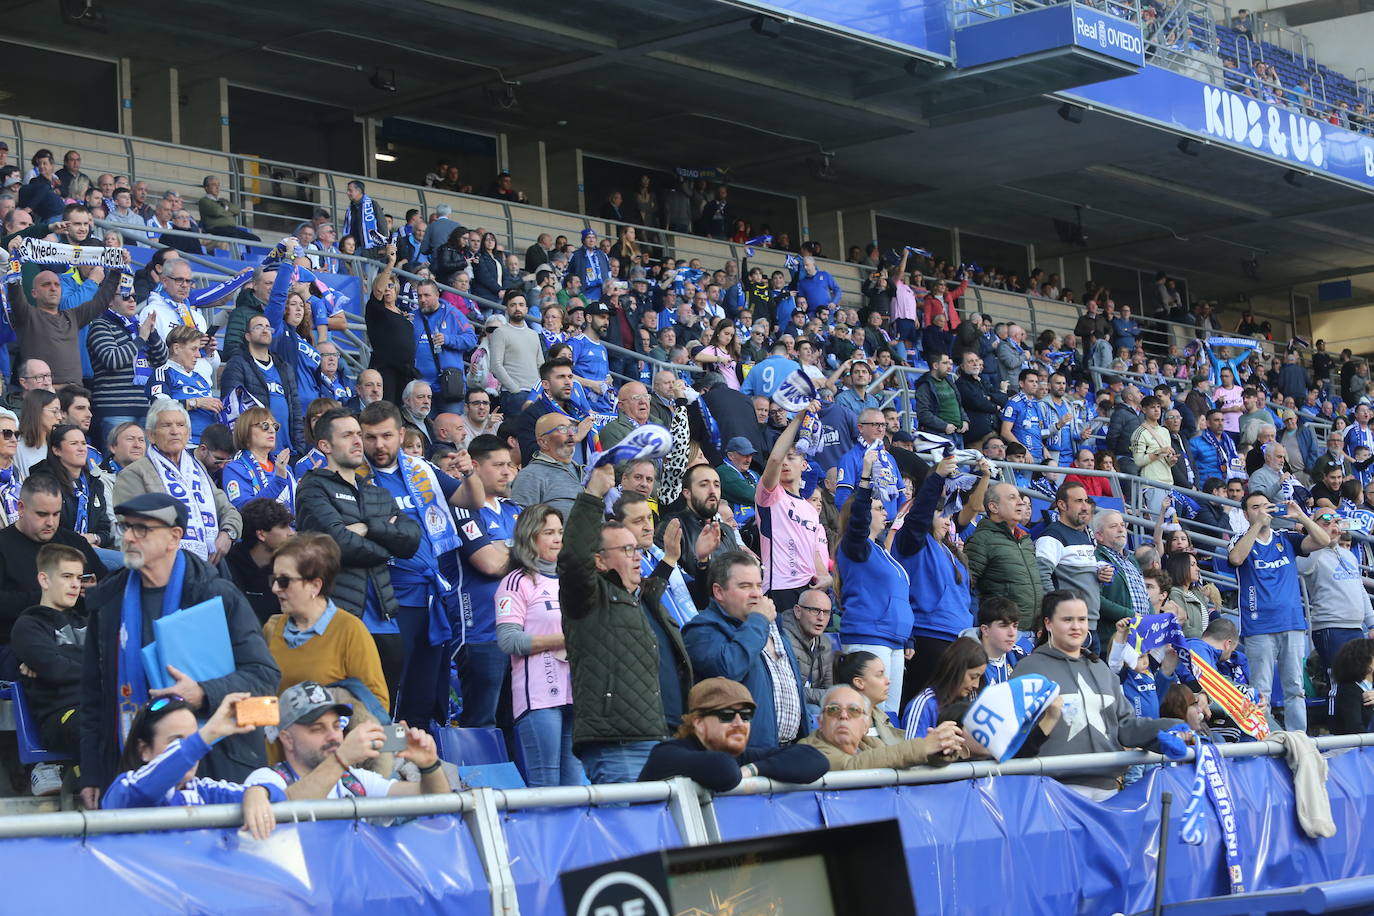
485 825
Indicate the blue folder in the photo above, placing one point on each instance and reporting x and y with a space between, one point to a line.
195 640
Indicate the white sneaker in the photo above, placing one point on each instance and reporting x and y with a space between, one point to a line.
46 779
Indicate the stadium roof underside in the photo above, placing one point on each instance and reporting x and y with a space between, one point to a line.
691 82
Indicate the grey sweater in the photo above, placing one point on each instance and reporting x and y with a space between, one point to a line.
1096 717
545 480
515 356
1335 591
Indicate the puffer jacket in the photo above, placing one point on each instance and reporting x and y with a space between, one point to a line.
611 646
325 502
1003 564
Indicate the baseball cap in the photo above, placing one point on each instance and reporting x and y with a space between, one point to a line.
4 146
598 308
157 506
306 702
719 693
741 445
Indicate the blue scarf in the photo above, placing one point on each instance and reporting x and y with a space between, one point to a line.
712 428
9 494
287 496
143 370
369 227
1210 782
432 512
81 487
133 682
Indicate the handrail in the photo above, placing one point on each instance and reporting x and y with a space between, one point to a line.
139 820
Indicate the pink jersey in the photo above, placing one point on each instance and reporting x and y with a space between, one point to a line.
789 537
903 302
541 680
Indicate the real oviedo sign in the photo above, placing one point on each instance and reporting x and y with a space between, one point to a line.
1092 29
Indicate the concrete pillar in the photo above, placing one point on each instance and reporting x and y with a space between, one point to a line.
204 118
156 112
529 168
564 178
827 227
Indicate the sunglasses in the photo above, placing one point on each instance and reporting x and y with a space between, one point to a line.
726 716
836 711
1326 517
9 434
282 583
268 426
162 703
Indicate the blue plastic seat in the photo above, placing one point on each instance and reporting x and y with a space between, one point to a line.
471 746
30 748
492 776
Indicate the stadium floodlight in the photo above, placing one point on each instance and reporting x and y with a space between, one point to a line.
1072 113
1188 146
383 79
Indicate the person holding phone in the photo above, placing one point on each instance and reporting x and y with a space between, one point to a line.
320 760
163 752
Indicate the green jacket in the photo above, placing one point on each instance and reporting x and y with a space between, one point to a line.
1116 595
617 429
611 647
1001 564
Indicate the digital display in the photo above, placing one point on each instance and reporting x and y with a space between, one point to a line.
752 885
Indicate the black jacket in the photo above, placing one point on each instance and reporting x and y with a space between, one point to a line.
254 672
242 369
983 412
798 764
50 642
327 503
253 580
19 572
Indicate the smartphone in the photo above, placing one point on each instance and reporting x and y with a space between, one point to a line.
395 737
257 711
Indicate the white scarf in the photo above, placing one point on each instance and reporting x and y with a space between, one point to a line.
39 251
190 484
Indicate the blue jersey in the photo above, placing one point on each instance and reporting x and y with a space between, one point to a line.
477 590
1061 441
1269 599
887 478
276 395
412 578
591 361
921 714
171 381
1027 424
767 377
1141 691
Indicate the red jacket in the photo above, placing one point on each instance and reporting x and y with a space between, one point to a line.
934 305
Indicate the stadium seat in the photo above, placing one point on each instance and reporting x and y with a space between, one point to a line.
471 746
30 748
492 776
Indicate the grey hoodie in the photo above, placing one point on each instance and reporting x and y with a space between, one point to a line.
1096 717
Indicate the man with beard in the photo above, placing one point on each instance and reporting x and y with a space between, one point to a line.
320 761
712 744
556 396
159 578
699 517
412 658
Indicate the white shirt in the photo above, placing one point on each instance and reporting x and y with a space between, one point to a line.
376 786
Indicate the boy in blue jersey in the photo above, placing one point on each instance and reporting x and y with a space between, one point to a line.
1023 418
1270 601
484 538
998 633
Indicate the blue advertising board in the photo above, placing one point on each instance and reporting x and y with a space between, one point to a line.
1179 102
1067 26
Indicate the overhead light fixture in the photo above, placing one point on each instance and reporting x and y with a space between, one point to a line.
766 26
1072 113
1250 266
1293 177
384 157
1188 146
383 79
823 166
1071 233
501 96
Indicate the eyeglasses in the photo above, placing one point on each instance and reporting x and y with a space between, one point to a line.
177 279
836 711
823 611
268 426
282 583
138 529
726 716
558 429
873 423
38 377
628 550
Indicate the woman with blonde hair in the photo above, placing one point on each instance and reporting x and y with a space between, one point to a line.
259 470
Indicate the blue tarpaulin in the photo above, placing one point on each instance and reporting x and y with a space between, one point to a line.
1009 844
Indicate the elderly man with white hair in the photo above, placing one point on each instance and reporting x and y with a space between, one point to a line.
1123 592
170 466
417 398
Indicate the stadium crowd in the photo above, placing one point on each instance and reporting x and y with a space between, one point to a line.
784 588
